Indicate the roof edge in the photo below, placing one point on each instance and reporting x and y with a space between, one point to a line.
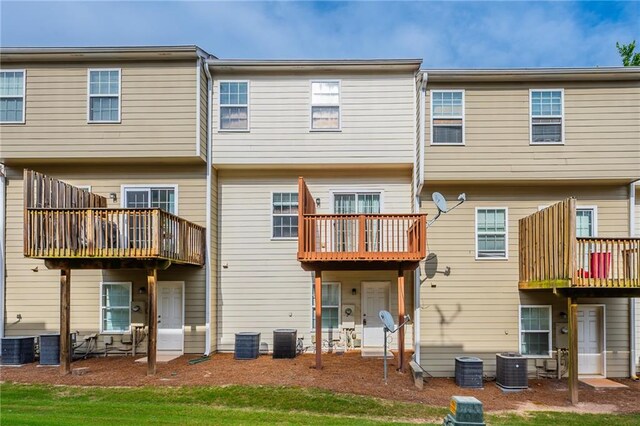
559 73
15 54
314 64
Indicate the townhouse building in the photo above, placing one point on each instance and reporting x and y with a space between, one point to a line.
128 124
302 181
517 141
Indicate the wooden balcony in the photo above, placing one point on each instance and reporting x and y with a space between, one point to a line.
552 257
72 228
358 241
101 233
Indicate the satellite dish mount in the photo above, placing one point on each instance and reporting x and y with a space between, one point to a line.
389 327
441 204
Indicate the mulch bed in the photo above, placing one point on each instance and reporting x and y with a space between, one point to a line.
347 373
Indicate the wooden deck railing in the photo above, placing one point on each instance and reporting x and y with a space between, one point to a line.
354 237
551 256
58 233
547 244
363 237
608 262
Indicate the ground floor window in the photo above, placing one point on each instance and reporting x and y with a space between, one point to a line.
535 330
330 306
115 307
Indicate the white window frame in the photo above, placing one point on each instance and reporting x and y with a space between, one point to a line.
149 186
313 306
506 233
356 192
462 117
593 208
248 106
89 96
562 120
24 95
273 215
102 307
311 104
520 331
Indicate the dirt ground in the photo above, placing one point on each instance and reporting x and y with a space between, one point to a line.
348 373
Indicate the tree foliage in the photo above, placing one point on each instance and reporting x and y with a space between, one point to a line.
629 57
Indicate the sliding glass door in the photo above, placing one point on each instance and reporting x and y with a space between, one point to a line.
346 230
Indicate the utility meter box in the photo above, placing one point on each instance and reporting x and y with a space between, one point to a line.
464 411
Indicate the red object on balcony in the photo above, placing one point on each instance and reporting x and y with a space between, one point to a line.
600 265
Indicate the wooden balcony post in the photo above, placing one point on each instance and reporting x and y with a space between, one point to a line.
90 233
65 321
401 314
152 303
318 297
361 236
572 306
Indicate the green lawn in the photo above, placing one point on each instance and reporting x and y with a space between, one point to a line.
64 405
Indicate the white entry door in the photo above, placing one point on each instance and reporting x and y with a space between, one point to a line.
375 297
170 316
591 350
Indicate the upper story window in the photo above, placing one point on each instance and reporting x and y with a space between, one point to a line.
12 92
104 96
141 197
447 117
547 116
285 215
234 105
325 105
491 233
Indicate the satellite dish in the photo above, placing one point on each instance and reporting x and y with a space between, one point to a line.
440 201
387 319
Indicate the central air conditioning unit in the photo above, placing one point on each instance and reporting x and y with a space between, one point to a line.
511 371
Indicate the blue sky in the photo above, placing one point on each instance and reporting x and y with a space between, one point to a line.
445 34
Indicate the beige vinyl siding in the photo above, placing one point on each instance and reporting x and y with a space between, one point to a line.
474 310
158 113
203 99
35 295
262 285
377 121
602 130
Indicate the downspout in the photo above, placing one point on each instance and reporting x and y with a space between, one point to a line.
633 337
208 262
420 183
3 218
